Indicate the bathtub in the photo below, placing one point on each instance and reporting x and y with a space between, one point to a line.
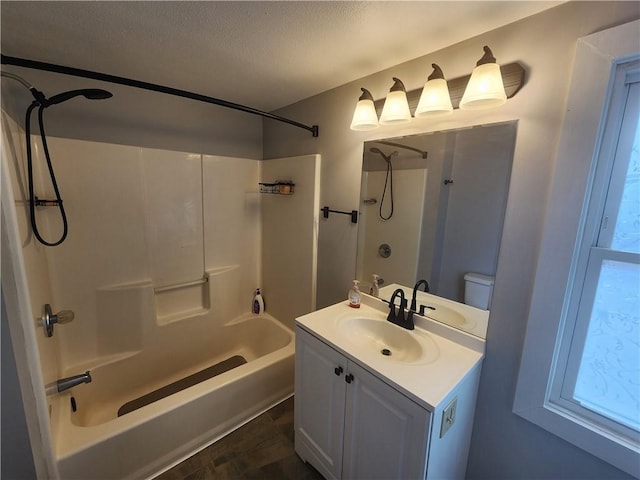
93 442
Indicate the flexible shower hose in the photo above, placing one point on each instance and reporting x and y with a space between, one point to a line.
388 178
32 197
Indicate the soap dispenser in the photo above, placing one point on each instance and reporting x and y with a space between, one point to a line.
374 290
258 303
354 295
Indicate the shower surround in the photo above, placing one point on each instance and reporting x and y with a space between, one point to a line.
163 253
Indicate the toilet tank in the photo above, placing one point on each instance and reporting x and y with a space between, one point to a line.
478 289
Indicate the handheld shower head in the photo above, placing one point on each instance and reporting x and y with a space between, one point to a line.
42 103
380 152
387 180
90 93
96 94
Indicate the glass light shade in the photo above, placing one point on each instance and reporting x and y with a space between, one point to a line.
364 116
396 108
435 99
485 88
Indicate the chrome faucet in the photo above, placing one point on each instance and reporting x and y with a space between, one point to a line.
68 382
399 318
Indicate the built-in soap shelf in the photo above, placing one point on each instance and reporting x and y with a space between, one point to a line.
278 187
131 314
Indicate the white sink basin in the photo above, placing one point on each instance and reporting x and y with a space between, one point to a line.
458 315
449 316
386 340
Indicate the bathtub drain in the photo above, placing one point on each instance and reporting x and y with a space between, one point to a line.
179 385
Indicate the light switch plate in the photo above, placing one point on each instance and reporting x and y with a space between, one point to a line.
448 417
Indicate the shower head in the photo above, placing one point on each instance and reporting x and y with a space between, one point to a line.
90 93
386 157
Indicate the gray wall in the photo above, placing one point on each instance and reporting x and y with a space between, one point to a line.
16 461
177 124
475 206
504 446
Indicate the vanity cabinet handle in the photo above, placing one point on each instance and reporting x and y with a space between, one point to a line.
348 378
338 370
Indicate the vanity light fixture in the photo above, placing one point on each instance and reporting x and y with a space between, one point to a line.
489 85
365 116
435 98
396 107
485 88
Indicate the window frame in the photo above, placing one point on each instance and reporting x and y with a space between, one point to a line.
594 246
598 59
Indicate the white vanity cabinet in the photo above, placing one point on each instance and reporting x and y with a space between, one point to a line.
376 401
351 424
319 399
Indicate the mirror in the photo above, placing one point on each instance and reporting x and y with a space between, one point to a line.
432 206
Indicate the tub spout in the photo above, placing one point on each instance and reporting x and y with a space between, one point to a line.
68 382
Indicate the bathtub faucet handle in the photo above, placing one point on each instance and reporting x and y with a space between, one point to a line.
49 319
65 316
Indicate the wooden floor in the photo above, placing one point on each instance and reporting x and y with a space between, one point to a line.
261 449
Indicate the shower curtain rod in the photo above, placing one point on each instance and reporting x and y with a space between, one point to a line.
104 77
422 153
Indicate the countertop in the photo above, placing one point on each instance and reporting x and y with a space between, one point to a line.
458 353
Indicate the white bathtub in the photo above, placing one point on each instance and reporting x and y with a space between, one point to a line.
94 443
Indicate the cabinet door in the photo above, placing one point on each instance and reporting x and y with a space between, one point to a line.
386 435
319 404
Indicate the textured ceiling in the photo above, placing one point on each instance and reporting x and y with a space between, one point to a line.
262 54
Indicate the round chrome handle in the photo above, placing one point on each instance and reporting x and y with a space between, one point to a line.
384 250
49 319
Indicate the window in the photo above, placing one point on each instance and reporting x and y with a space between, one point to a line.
598 371
580 370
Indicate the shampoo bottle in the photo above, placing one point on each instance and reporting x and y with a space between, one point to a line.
374 291
258 303
354 295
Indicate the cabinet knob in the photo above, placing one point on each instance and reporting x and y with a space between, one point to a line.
338 370
348 378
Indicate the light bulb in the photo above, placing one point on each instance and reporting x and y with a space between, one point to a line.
435 98
364 116
485 88
396 107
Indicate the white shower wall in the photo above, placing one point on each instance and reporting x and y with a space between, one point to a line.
33 253
172 184
141 217
289 237
136 216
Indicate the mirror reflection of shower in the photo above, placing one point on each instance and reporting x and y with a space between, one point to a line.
393 186
459 228
388 181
